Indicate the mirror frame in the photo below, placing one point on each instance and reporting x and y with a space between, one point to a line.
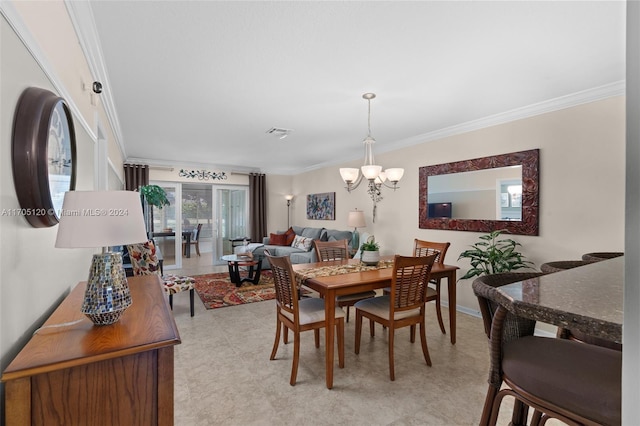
529 160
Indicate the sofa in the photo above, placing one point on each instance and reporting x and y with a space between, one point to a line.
299 250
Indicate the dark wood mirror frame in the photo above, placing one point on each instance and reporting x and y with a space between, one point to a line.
529 160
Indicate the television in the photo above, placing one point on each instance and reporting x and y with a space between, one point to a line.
437 210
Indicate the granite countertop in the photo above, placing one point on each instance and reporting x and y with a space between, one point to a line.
588 298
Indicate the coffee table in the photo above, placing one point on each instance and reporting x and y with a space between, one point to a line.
235 262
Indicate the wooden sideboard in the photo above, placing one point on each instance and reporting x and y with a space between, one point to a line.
82 374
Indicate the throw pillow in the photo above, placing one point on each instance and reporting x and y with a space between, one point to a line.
290 233
303 243
278 239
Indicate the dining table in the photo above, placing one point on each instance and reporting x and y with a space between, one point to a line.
334 278
588 298
185 234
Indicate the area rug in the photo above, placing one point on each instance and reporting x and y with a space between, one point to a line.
217 290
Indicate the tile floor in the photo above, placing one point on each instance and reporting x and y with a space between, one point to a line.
223 375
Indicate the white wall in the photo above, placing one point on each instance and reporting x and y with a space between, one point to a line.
582 162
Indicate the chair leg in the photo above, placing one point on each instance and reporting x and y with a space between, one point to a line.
412 333
171 301
340 334
316 337
191 297
439 311
198 248
296 357
285 336
488 406
392 373
520 413
348 312
358 331
277 341
423 340
372 328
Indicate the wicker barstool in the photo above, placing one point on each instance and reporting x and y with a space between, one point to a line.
603 255
561 265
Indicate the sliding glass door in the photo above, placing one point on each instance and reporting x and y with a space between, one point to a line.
232 219
167 226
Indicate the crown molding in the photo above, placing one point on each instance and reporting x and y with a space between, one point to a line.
81 16
22 31
605 91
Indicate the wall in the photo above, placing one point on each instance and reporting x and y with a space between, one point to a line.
38 47
582 168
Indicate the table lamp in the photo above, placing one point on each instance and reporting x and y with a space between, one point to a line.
356 219
91 219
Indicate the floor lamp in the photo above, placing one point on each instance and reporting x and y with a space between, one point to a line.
288 197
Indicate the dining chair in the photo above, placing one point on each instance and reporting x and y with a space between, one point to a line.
299 315
144 261
577 335
339 250
562 379
403 306
195 240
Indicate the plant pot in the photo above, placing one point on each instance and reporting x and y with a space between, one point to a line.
370 257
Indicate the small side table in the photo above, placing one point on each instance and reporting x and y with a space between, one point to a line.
235 262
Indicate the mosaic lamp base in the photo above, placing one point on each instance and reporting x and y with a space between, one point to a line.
107 295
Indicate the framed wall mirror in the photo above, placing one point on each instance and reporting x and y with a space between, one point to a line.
482 194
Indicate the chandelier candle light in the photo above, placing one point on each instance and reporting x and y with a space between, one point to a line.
374 174
91 219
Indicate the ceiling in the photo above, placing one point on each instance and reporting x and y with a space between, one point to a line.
202 81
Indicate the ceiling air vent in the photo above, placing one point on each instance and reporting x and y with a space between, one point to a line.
279 132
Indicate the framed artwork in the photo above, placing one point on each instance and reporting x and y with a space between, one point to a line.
321 206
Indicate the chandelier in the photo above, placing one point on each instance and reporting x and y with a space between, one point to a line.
373 173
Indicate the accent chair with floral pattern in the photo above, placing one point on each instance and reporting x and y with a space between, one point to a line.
145 262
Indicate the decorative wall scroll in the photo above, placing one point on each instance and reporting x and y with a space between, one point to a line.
202 174
321 206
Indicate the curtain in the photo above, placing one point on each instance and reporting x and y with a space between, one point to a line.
135 176
257 206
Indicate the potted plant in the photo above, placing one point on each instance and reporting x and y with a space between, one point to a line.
370 251
152 195
492 255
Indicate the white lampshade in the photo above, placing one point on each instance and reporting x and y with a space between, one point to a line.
288 197
371 171
349 174
395 174
356 219
381 178
93 219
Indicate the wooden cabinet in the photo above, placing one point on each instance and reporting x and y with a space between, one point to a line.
82 374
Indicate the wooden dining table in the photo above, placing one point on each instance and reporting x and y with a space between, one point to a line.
359 281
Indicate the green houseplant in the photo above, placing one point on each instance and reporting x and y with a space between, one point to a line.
493 254
370 251
152 195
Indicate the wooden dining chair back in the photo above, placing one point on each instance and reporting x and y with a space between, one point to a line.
572 382
403 306
297 314
195 241
426 248
144 261
328 251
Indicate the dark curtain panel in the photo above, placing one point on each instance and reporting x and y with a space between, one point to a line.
135 176
257 206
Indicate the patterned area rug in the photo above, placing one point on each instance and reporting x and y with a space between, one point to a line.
217 290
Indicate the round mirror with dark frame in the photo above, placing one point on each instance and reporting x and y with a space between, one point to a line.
516 212
43 155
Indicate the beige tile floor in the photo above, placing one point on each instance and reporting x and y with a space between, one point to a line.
223 375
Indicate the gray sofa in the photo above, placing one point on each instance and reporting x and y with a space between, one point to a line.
299 255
